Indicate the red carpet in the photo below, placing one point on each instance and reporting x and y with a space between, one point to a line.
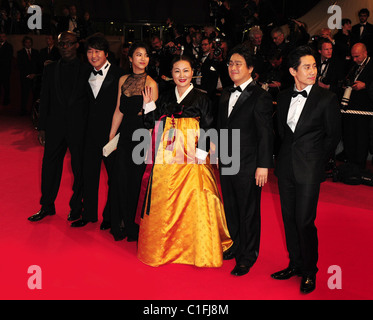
86 263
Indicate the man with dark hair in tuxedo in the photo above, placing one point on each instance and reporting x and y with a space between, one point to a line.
62 121
50 52
102 90
208 69
309 127
246 107
363 31
330 68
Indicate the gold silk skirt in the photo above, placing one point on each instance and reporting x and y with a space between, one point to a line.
184 220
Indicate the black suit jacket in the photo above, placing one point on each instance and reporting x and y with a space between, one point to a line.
101 108
53 55
210 75
366 37
316 135
62 115
6 55
360 100
27 66
252 115
333 73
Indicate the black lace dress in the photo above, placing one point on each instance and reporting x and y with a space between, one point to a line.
127 174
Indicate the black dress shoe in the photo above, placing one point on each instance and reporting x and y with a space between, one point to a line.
240 270
121 235
42 214
228 255
74 215
80 223
308 284
286 273
105 225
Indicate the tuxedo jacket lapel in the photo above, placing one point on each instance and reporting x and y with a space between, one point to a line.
107 82
224 102
284 113
307 109
241 100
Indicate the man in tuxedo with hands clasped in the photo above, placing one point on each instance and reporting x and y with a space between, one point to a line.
309 124
102 90
248 108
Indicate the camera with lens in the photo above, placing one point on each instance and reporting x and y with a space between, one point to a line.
217 49
347 93
348 82
171 49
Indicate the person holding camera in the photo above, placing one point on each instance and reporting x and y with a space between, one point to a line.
330 69
207 69
160 62
355 126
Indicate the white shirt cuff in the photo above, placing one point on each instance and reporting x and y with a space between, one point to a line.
149 107
201 154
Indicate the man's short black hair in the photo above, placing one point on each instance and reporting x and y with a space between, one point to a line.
97 41
25 38
299 52
364 11
345 20
243 51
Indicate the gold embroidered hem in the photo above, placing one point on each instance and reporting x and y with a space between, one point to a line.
186 221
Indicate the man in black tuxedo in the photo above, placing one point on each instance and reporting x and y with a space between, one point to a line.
102 90
50 52
247 108
208 69
6 56
355 126
29 65
363 31
71 22
330 68
62 124
309 126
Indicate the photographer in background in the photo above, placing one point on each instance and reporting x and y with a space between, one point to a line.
330 69
355 126
159 67
207 69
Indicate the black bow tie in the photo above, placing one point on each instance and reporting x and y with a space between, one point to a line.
97 72
235 88
303 93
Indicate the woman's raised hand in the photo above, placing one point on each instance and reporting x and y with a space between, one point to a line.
147 94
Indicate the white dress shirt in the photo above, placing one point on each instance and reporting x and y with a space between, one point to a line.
235 95
95 81
296 108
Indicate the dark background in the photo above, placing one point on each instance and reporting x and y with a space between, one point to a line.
157 11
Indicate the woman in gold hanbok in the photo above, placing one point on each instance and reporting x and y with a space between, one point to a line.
180 211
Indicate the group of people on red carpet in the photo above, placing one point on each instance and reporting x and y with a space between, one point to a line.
170 202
